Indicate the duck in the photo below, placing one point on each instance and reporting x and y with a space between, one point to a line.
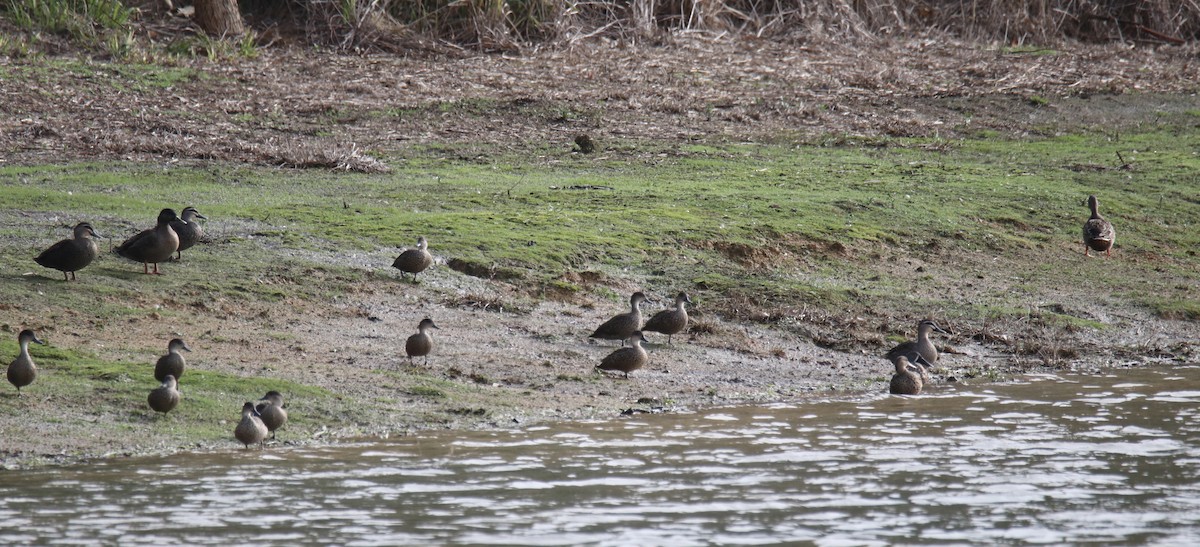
627 359
187 229
414 261
71 255
906 380
251 428
921 352
173 362
622 326
154 245
22 371
165 397
271 411
420 344
670 321
1098 232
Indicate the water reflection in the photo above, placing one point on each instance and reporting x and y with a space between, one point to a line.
1050 460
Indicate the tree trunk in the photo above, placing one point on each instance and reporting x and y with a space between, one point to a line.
219 17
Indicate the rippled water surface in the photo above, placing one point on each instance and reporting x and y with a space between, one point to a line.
1113 458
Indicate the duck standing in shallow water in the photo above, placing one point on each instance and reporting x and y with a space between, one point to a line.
173 362
621 327
921 352
421 343
627 359
1098 232
670 322
414 261
906 380
165 397
251 428
187 229
22 371
71 255
154 245
270 410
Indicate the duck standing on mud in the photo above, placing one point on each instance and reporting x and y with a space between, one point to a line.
154 245
414 261
421 343
250 429
22 371
921 352
71 255
627 359
622 326
188 230
1098 232
671 321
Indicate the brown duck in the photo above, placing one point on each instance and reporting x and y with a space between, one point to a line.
621 327
173 362
22 371
164 398
921 352
187 229
414 261
627 359
906 380
672 321
154 245
71 255
251 428
421 343
271 411
1098 233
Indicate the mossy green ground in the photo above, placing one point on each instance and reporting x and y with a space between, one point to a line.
975 230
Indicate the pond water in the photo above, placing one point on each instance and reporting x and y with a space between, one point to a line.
1051 459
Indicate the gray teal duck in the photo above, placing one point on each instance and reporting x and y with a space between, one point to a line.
251 428
154 245
671 321
921 352
71 255
173 362
187 229
22 371
165 397
627 359
271 411
421 343
414 261
1098 232
621 327
906 380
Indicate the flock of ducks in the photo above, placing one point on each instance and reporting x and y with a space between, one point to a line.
172 234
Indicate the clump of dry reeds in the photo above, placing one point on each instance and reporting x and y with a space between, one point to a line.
508 24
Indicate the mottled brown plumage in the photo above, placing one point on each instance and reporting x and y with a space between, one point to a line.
154 245
173 362
165 397
414 261
671 321
421 343
906 381
188 230
251 428
627 359
621 327
920 353
1098 232
271 411
71 255
22 371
